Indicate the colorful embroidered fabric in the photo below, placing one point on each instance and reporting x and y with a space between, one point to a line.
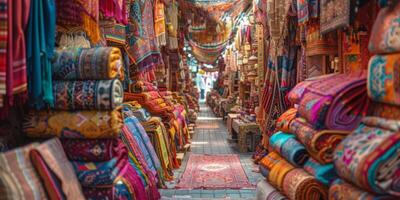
88 64
323 173
40 42
368 157
115 34
95 150
384 79
289 148
83 124
88 95
306 10
384 35
336 102
299 185
342 190
159 22
18 177
335 14
268 192
141 86
284 121
385 111
319 144
142 43
58 175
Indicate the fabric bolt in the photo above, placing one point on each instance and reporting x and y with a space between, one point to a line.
127 185
320 144
289 148
385 31
342 190
98 174
95 150
83 124
298 184
88 95
278 167
40 42
369 156
323 173
18 178
265 191
53 159
284 121
335 102
385 111
384 79
88 64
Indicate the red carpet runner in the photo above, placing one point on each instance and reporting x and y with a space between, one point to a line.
214 172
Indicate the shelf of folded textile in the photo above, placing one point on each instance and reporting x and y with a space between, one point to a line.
171 116
88 119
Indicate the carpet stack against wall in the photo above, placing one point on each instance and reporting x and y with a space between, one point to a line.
110 152
327 108
367 160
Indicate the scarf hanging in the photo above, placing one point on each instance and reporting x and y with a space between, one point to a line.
159 22
40 42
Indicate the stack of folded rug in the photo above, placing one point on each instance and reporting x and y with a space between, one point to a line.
94 132
327 109
368 159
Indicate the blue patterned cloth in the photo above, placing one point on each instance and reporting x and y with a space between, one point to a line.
289 148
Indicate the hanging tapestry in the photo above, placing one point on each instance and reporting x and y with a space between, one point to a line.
368 157
306 10
88 95
88 64
384 79
114 9
335 14
142 42
63 124
385 32
159 22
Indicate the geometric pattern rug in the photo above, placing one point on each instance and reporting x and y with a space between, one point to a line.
221 171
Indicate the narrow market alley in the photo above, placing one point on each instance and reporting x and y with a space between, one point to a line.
211 137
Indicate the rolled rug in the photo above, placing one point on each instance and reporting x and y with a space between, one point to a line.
88 95
265 191
340 190
284 121
337 102
319 144
385 111
278 168
384 78
289 148
368 157
82 124
299 185
384 38
88 64
323 173
92 150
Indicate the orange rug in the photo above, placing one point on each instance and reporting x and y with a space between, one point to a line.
222 171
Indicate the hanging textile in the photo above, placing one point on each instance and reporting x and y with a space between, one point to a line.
142 42
40 41
159 22
307 9
114 9
172 24
335 14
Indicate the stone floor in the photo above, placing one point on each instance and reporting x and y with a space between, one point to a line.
211 138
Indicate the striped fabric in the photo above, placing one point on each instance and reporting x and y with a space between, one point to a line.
3 48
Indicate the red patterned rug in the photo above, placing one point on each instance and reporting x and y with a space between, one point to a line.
214 172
